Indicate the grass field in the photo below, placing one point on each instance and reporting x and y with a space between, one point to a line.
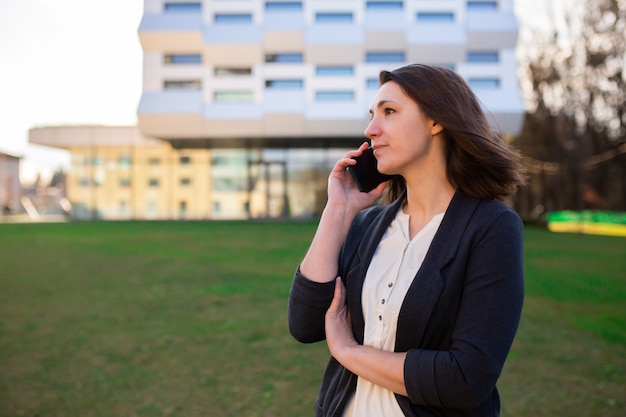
189 319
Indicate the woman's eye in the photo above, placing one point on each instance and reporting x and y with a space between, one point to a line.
389 111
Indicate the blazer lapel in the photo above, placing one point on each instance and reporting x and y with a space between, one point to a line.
428 282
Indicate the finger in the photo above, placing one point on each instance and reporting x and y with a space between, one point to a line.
338 296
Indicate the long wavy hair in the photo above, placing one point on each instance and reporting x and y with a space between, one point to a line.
479 162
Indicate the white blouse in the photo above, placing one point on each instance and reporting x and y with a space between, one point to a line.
394 265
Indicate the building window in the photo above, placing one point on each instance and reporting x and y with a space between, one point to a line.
436 17
233 18
484 83
184 160
185 182
124 182
372 83
325 71
183 85
334 17
230 184
232 72
153 182
334 96
84 182
184 59
124 161
450 67
384 5
191 7
483 57
482 5
232 96
154 161
287 57
283 6
284 84
217 207
384 57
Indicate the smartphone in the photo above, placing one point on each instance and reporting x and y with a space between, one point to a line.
365 173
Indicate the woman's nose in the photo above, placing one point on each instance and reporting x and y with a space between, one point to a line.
372 129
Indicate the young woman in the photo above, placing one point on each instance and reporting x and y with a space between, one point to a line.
418 299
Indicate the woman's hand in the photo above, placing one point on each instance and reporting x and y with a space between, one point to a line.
341 187
339 336
380 367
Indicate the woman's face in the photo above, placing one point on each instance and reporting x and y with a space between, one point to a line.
401 134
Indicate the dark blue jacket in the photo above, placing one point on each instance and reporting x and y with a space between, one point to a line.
458 319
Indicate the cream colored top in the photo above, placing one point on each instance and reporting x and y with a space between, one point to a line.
394 265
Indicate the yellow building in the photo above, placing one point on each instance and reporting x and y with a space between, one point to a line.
117 173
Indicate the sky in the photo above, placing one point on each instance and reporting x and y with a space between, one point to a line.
71 62
65 62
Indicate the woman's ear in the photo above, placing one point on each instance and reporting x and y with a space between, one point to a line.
436 129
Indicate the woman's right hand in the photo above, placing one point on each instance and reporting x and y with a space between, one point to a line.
342 190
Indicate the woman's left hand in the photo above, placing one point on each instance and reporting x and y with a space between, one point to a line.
339 336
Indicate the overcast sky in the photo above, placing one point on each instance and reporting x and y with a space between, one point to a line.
65 62
80 62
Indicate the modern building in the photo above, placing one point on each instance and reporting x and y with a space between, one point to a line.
274 91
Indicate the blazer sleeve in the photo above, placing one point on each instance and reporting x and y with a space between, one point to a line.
464 374
308 302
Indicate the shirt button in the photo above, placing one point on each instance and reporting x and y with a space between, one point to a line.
380 318
390 284
383 301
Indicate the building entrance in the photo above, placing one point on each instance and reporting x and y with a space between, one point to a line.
267 189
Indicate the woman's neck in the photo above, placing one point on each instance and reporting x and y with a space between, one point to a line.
424 201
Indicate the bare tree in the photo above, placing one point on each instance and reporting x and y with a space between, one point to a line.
574 135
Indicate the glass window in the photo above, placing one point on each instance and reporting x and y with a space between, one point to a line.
283 6
372 83
182 85
124 161
483 57
232 72
482 5
284 84
230 184
334 95
184 160
191 7
438 17
333 17
185 181
153 182
384 57
484 83
232 96
233 18
124 182
384 5
154 161
334 70
183 59
451 67
287 57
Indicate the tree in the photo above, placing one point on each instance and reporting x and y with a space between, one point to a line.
573 138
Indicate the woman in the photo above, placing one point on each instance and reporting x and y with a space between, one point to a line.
419 299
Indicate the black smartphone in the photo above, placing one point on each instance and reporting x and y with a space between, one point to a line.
365 173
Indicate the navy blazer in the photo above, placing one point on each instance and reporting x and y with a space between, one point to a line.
457 321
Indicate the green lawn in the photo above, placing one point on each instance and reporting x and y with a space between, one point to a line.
189 319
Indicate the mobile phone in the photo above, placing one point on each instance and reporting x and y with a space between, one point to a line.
365 173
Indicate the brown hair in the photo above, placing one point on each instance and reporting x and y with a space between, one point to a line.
479 161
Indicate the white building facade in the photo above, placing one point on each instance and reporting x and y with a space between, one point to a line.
279 89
